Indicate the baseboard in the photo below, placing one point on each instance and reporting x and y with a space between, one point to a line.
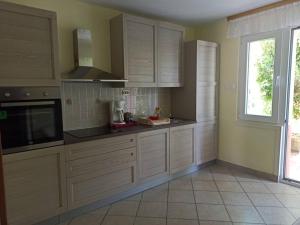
257 173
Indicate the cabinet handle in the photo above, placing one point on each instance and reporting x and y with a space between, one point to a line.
131 140
131 153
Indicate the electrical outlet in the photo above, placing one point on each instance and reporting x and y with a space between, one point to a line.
125 92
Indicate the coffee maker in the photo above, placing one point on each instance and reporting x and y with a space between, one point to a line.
117 112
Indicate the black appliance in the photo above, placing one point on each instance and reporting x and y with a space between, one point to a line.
30 118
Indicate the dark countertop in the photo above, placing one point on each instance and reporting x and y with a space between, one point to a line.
82 135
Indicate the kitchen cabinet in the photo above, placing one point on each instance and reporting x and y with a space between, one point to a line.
182 147
170 55
206 142
28 46
153 154
198 99
146 52
98 169
35 185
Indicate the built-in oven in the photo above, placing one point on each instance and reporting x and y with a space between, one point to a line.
30 118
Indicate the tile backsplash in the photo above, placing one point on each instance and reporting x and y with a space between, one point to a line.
87 104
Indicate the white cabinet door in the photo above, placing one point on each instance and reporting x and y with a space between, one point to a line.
170 55
206 142
153 152
182 147
35 185
140 51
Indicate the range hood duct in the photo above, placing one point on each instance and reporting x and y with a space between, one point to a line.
84 68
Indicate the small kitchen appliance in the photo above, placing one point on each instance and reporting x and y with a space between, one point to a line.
117 112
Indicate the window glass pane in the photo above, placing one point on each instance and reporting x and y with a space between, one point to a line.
261 56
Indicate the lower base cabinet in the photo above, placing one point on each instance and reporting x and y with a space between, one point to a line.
206 142
35 185
182 147
153 154
99 169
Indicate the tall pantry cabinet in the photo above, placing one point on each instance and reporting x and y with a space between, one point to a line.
198 99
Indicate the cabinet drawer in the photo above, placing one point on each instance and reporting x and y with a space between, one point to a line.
101 162
93 187
98 147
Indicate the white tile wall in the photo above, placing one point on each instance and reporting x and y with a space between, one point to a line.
87 104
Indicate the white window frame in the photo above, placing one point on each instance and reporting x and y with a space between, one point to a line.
282 43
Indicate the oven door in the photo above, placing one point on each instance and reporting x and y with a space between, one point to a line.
29 125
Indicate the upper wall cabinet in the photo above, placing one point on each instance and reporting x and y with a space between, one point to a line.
170 57
146 52
28 46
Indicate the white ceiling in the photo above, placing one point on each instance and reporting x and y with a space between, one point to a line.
185 11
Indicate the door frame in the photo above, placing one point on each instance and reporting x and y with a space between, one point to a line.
284 136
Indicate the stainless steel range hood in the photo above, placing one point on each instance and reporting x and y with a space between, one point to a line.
84 69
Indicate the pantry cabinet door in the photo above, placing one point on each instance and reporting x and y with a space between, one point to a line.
35 185
153 154
28 46
182 148
140 51
206 142
170 55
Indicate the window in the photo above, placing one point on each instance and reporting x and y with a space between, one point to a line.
263 72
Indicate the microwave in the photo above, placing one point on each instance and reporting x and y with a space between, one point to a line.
30 118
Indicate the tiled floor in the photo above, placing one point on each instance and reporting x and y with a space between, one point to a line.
212 196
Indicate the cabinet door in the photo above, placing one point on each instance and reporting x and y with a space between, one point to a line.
153 151
28 46
206 142
170 55
35 185
182 146
140 51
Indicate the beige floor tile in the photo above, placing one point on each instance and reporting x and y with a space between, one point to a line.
260 199
279 188
254 187
134 197
204 185
92 218
219 169
234 198
290 201
152 209
155 195
223 177
182 222
208 197
212 212
149 221
202 175
244 214
117 220
240 176
248 223
181 184
182 211
124 208
214 223
276 215
295 212
181 196
229 186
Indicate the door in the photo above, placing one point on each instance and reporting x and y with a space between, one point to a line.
153 151
140 52
182 147
292 152
170 52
